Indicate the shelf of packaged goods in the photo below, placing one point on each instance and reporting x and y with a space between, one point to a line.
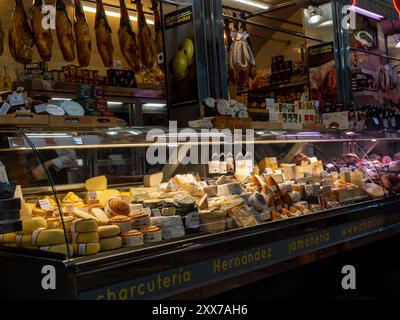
68 90
257 110
274 87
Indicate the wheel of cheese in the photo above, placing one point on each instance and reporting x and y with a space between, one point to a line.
109 231
108 244
86 249
48 237
23 240
87 225
85 237
7 238
59 248
32 224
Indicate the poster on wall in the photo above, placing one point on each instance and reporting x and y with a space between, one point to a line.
322 69
181 58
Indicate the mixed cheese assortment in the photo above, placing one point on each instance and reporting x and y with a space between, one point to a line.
102 219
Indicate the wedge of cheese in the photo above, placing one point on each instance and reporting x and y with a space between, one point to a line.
153 180
96 184
80 214
100 216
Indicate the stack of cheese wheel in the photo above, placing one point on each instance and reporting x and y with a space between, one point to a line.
109 237
24 237
85 237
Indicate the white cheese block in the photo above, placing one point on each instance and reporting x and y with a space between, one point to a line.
212 191
153 180
164 222
100 216
80 214
173 232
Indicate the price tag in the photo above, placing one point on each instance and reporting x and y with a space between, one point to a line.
269 171
278 171
45 204
69 208
4 108
213 167
92 195
41 108
3 173
18 192
156 212
313 159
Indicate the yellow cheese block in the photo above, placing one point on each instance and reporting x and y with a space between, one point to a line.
87 225
37 212
48 237
86 249
7 238
29 207
30 225
96 184
58 248
100 216
23 240
56 223
108 244
80 214
72 199
85 237
109 231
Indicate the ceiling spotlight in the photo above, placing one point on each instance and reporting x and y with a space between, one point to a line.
314 15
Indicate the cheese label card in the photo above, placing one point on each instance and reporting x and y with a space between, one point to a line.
45 204
278 171
4 108
69 208
156 213
213 167
55 110
18 192
16 99
3 173
92 195
41 108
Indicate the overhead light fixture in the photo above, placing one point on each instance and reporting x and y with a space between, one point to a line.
114 103
61 99
366 13
113 14
254 4
154 105
326 23
314 14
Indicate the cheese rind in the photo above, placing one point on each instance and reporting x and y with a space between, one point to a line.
30 225
7 238
96 184
86 249
88 225
85 237
43 237
112 243
109 231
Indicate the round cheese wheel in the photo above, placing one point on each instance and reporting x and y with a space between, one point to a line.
43 237
109 231
110 243
87 225
23 240
85 237
7 238
86 249
59 248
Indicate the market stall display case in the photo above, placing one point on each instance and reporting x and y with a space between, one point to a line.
145 229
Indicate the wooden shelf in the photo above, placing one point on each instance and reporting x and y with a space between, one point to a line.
69 90
275 87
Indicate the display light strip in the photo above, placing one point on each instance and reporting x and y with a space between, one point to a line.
366 13
254 4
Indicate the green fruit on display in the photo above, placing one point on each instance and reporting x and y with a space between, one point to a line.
188 48
179 64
